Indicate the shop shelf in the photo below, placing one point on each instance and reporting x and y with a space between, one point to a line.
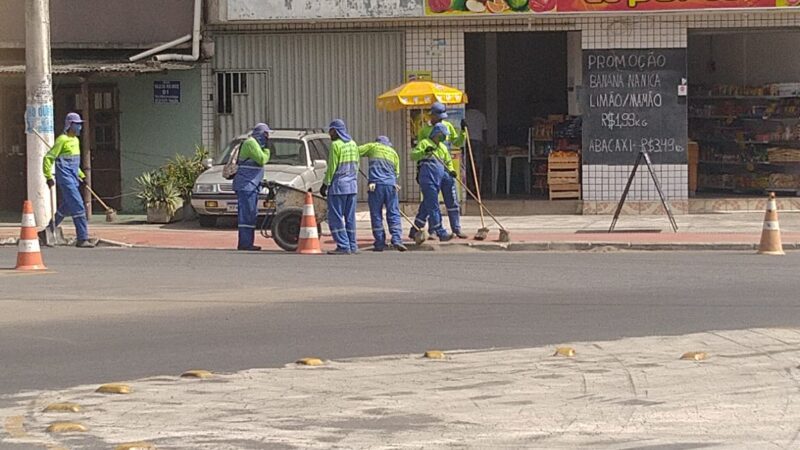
742 97
750 118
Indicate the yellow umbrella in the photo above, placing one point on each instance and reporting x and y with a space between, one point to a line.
419 94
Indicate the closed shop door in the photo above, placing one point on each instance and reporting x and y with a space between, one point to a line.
12 149
104 137
241 102
317 77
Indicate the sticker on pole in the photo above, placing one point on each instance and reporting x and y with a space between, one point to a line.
39 117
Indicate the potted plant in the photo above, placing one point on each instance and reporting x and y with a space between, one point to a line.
159 196
183 172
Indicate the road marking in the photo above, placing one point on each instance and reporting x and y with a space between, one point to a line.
14 427
21 273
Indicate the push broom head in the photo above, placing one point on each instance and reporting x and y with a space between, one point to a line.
504 236
482 234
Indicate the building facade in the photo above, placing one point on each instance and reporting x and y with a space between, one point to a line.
607 79
140 113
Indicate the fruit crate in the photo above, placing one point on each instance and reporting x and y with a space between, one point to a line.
563 175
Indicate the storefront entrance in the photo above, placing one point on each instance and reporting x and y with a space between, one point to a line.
518 82
104 135
744 113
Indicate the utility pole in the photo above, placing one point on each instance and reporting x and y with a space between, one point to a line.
39 103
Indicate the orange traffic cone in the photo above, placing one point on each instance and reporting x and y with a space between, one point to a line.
771 234
29 257
308 243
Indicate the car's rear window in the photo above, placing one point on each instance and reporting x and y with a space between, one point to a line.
290 152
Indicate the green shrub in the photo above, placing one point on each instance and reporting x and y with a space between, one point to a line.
183 171
156 190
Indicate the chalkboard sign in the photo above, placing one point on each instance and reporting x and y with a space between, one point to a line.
630 103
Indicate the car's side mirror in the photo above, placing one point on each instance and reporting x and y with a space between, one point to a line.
208 162
320 164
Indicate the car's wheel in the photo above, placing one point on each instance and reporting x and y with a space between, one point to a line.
207 221
286 228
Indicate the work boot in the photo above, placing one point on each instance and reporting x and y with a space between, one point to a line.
42 237
412 233
377 249
338 251
445 237
252 248
85 244
461 234
401 248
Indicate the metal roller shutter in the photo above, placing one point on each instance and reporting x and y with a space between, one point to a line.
312 78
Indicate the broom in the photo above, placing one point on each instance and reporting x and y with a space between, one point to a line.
483 232
111 214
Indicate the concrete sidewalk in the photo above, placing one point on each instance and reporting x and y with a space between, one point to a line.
733 231
629 393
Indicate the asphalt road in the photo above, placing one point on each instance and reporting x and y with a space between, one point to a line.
116 314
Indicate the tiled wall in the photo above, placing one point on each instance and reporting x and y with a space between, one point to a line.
438 46
207 104
602 182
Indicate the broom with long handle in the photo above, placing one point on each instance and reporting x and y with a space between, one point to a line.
483 232
111 214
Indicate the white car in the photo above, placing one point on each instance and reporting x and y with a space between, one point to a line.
298 158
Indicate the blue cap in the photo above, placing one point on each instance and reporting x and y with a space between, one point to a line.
72 118
439 128
341 129
439 111
384 140
261 128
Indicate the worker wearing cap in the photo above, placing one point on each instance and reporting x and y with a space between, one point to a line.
253 155
340 186
65 155
384 169
438 114
434 164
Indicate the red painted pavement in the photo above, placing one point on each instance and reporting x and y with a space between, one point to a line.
152 236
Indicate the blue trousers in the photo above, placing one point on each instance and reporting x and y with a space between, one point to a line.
248 214
342 221
385 195
72 205
429 210
450 197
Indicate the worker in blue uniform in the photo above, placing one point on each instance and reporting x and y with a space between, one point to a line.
434 162
455 138
340 186
384 169
253 155
65 155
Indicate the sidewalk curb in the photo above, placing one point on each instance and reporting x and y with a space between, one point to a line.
535 246
554 246
112 243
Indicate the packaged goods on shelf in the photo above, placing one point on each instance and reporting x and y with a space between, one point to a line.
783 154
784 181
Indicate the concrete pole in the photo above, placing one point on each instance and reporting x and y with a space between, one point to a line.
39 103
86 149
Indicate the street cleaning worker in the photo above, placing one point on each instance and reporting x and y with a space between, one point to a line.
66 155
434 162
384 169
340 186
438 114
253 155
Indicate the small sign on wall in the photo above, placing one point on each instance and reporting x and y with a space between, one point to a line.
414 75
166 92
